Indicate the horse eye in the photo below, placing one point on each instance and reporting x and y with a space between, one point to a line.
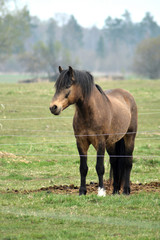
67 94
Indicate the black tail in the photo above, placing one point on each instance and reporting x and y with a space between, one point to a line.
120 160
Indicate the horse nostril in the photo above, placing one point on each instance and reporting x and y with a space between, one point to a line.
54 107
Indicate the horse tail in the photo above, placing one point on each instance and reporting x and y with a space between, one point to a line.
120 160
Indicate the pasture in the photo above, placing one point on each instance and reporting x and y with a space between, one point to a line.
39 166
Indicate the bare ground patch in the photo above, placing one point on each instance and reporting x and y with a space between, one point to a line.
91 188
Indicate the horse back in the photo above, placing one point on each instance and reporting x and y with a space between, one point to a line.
122 96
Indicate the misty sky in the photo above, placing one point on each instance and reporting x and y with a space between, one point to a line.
93 12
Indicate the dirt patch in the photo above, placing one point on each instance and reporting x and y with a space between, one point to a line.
12 157
7 155
92 188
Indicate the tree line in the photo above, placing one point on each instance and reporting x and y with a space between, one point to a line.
29 44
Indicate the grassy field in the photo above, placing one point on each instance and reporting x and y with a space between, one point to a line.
38 150
14 78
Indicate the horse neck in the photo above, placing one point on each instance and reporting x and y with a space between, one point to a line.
90 106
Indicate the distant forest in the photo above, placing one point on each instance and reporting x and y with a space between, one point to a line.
41 46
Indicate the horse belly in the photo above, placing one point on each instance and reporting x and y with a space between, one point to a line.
119 126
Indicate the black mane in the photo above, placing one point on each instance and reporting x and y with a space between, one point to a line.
82 78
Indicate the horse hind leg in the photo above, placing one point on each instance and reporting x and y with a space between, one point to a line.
114 173
121 163
117 162
126 187
129 145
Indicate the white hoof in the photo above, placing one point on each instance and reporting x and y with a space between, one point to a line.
101 192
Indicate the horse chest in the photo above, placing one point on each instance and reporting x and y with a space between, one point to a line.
88 126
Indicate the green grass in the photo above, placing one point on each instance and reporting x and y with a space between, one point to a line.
49 216
41 155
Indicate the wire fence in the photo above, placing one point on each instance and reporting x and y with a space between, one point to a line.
88 155
82 135
3 106
57 135
153 132
60 142
57 117
48 129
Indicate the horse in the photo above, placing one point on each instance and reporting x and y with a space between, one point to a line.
105 119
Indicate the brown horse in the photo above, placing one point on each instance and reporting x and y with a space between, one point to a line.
107 120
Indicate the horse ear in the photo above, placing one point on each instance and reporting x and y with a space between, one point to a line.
60 69
71 73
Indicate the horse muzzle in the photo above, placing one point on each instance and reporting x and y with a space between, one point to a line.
55 110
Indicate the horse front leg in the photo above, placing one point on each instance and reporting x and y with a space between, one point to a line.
83 172
100 169
83 168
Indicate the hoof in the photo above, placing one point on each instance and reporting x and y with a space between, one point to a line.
82 191
101 192
115 192
126 190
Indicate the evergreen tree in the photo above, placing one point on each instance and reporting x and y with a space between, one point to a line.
148 27
101 47
72 34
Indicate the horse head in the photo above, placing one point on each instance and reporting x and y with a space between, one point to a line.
66 91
